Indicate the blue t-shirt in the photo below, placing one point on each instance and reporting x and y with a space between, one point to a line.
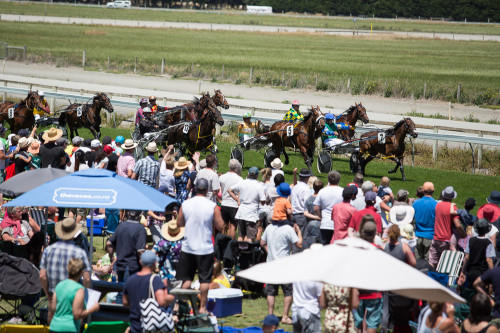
425 214
137 289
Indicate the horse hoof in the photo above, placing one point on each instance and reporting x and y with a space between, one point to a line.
287 162
390 171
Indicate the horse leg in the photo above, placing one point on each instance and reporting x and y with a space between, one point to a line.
94 133
364 162
398 163
402 168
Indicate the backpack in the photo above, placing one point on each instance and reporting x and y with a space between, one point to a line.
10 171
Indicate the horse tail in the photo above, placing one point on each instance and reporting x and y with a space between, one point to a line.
62 119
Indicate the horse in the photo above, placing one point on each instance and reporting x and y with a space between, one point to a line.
187 112
89 116
350 117
303 136
23 112
198 135
390 144
220 100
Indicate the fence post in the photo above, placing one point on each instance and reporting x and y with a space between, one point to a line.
253 111
435 147
25 51
449 111
30 87
5 93
83 58
53 100
316 80
6 51
164 101
458 93
479 151
108 61
199 86
425 88
135 65
251 75
349 85
222 71
162 66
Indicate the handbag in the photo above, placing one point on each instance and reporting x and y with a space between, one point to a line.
154 318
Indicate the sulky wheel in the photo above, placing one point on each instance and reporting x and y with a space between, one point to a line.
139 151
324 162
237 154
269 156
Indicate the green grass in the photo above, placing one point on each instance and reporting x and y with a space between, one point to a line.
233 17
388 67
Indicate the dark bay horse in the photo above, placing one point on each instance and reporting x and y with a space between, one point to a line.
389 144
23 112
351 117
304 135
89 116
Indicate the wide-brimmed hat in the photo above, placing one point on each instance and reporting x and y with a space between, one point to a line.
24 142
34 148
276 163
182 163
151 147
482 226
407 231
401 214
67 228
489 211
283 190
171 232
52 134
449 193
494 198
304 173
129 144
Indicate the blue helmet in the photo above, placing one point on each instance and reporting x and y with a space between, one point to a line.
329 116
120 139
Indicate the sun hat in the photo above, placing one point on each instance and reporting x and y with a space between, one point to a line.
182 163
401 214
253 171
271 320
283 190
108 149
151 147
494 198
482 226
276 163
67 228
34 148
296 102
95 143
171 232
304 173
402 194
23 142
370 196
129 144
407 231
77 139
449 193
489 211
148 258
52 134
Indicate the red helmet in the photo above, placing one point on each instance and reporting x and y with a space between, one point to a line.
295 102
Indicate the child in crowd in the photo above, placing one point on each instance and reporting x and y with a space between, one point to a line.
282 212
384 190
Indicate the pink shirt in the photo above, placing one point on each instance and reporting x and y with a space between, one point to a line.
341 216
125 162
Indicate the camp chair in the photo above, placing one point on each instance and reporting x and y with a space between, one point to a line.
106 327
24 328
450 263
194 323
112 221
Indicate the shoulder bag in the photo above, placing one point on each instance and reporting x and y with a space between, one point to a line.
154 318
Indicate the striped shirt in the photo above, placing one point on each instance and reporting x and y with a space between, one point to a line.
147 169
55 261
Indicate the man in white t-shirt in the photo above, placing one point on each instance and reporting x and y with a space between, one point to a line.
212 178
251 193
198 215
229 206
300 193
306 312
323 204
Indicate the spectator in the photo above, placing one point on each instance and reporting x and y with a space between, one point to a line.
479 316
313 220
112 158
211 176
358 180
300 193
264 209
491 278
95 147
401 213
103 270
13 139
119 140
182 179
343 212
360 204
446 217
282 211
22 159
4 155
384 191
437 322
466 218
323 204
143 103
166 182
34 152
489 213
137 288
76 143
229 206
68 301
306 312
51 154
63 143
272 195
356 220
128 240
126 162
169 250
200 216
425 215
55 259
80 162
270 324
408 236
339 303
14 229
102 157
146 169
251 193
276 166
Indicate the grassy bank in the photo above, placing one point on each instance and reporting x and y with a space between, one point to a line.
388 67
233 17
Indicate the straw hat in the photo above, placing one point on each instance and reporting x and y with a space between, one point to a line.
129 144
276 164
407 231
67 228
182 163
52 134
401 214
24 142
151 147
171 232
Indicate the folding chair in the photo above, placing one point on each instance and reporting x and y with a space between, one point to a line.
24 328
450 263
106 327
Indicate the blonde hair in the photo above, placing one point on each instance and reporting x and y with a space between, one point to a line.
311 181
169 162
75 267
385 181
178 173
266 174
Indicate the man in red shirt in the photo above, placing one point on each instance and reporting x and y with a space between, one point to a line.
370 198
343 212
446 217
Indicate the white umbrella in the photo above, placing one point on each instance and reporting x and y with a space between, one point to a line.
355 263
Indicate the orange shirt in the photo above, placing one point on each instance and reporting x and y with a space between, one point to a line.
280 206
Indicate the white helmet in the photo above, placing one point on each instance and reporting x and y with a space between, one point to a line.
41 93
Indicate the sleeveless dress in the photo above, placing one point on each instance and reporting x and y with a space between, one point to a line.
337 301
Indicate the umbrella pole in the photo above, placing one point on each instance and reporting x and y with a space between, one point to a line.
91 254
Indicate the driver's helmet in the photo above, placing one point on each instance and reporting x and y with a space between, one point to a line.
329 116
247 115
41 93
143 101
120 139
296 103
152 98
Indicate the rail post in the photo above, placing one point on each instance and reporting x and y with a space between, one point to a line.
435 147
253 111
472 149
458 93
162 66
164 101
83 58
53 99
25 53
412 152
251 75
108 61
222 74
425 88
135 65
30 87
479 151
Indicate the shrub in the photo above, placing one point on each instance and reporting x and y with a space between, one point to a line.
470 118
370 87
323 86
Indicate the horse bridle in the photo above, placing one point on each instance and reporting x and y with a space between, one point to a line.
222 99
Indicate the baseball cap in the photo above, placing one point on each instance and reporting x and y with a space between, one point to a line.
77 139
271 320
370 196
23 132
108 149
148 258
95 143
253 171
87 142
106 140
61 141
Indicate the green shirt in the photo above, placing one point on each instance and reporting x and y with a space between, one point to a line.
63 320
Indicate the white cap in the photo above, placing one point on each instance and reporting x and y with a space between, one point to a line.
95 143
41 93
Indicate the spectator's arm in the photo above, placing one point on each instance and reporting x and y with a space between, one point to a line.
33 224
295 176
79 311
311 216
355 298
493 239
134 176
299 234
33 131
289 213
479 286
218 221
130 172
180 218
125 300
351 232
110 249
464 264
86 279
410 258
233 195
44 281
489 261
52 305
317 210
384 206
459 227
7 238
189 185
322 300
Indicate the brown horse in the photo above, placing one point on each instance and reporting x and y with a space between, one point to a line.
390 144
351 117
23 112
89 116
198 135
304 135
186 112
220 100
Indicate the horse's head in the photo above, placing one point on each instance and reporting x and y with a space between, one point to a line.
318 117
220 100
215 113
410 127
103 100
360 113
33 100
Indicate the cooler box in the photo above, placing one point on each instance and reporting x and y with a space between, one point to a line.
99 221
226 301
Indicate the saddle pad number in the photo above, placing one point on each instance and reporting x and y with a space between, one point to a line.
381 138
289 130
79 111
185 130
11 113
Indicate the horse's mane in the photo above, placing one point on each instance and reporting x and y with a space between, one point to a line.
351 109
393 129
309 115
